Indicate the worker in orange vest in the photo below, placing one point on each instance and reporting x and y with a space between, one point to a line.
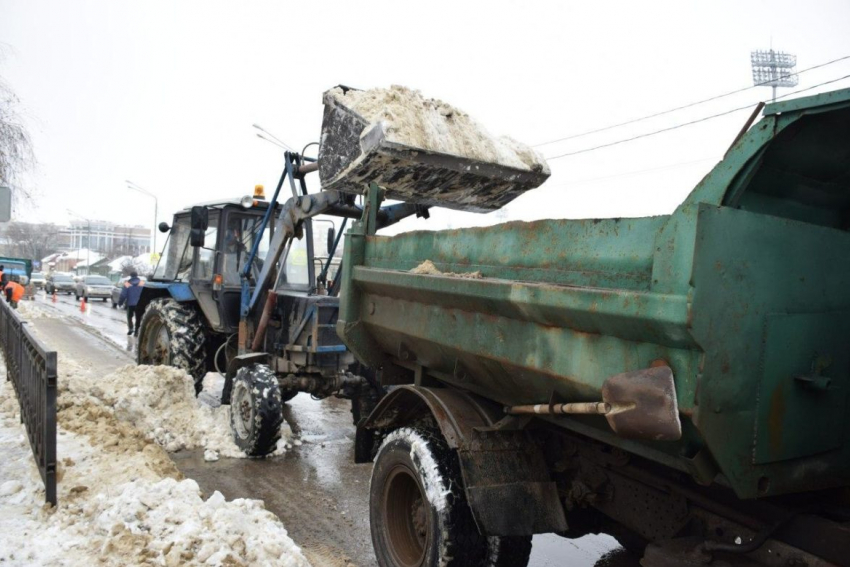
14 293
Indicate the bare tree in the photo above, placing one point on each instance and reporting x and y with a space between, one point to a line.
34 241
131 265
16 155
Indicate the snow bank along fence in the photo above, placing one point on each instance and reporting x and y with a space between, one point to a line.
32 370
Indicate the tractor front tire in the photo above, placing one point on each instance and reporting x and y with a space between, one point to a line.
256 410
172 334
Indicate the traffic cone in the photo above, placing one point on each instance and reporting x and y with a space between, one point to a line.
54 296
83 305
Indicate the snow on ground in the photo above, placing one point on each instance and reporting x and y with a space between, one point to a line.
160 401
121 499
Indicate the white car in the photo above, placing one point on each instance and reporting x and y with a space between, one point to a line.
38 280
94 287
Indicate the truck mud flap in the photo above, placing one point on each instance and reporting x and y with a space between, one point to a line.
510 492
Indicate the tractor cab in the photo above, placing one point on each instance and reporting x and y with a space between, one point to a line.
207 246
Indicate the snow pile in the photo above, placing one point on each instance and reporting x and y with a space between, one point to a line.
121 500
428 268
160 401
430 124
32 310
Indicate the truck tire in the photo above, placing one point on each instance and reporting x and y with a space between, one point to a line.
417 506
172 334
513 551
256 410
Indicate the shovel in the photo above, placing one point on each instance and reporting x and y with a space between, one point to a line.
638 405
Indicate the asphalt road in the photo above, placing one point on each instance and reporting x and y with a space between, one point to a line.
315 488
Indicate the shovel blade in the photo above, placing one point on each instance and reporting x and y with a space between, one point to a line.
650 396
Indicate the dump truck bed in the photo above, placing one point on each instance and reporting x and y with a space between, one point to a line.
744 291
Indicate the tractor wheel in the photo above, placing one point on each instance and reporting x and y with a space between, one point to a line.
256 410
172 334
417 506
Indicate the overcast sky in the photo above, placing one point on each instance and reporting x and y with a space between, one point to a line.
165 93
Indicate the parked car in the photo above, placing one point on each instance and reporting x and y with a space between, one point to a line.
38 280
94 287
119 285
60 283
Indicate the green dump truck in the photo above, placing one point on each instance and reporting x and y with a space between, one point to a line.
678 381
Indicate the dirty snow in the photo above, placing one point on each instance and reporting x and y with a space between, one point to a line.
121 499
160 401
428 268
411 119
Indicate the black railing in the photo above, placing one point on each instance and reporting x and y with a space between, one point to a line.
32 370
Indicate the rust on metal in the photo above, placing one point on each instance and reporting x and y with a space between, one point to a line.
271 301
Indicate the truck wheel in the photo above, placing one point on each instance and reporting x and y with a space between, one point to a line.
512 551
417 506
256 410
172 334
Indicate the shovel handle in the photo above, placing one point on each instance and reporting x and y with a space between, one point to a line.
594 408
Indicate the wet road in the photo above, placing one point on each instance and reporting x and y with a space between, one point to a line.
315 488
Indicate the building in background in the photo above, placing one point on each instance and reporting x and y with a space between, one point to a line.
106 237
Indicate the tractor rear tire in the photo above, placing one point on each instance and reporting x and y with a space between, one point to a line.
417 504
172 334
256 410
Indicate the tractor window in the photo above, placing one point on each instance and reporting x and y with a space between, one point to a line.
206 255
176 260
238 239
295 264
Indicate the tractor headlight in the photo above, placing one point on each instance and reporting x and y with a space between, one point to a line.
247 202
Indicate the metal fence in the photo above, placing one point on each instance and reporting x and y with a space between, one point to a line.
32 370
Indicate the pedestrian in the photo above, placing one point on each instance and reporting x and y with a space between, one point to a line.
130 295
14 293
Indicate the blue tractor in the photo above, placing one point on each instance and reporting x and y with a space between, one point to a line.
248 288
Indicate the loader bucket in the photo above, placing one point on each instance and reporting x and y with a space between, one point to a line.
354 152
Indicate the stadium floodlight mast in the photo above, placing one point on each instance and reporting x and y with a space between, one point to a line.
773 68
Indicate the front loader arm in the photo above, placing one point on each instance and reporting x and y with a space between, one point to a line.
289 224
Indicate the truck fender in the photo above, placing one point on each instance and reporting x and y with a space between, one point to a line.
507 482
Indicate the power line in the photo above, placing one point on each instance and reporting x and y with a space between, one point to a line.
689 105
636 172
682 125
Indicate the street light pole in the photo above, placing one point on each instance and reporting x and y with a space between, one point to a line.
143 191
88 244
